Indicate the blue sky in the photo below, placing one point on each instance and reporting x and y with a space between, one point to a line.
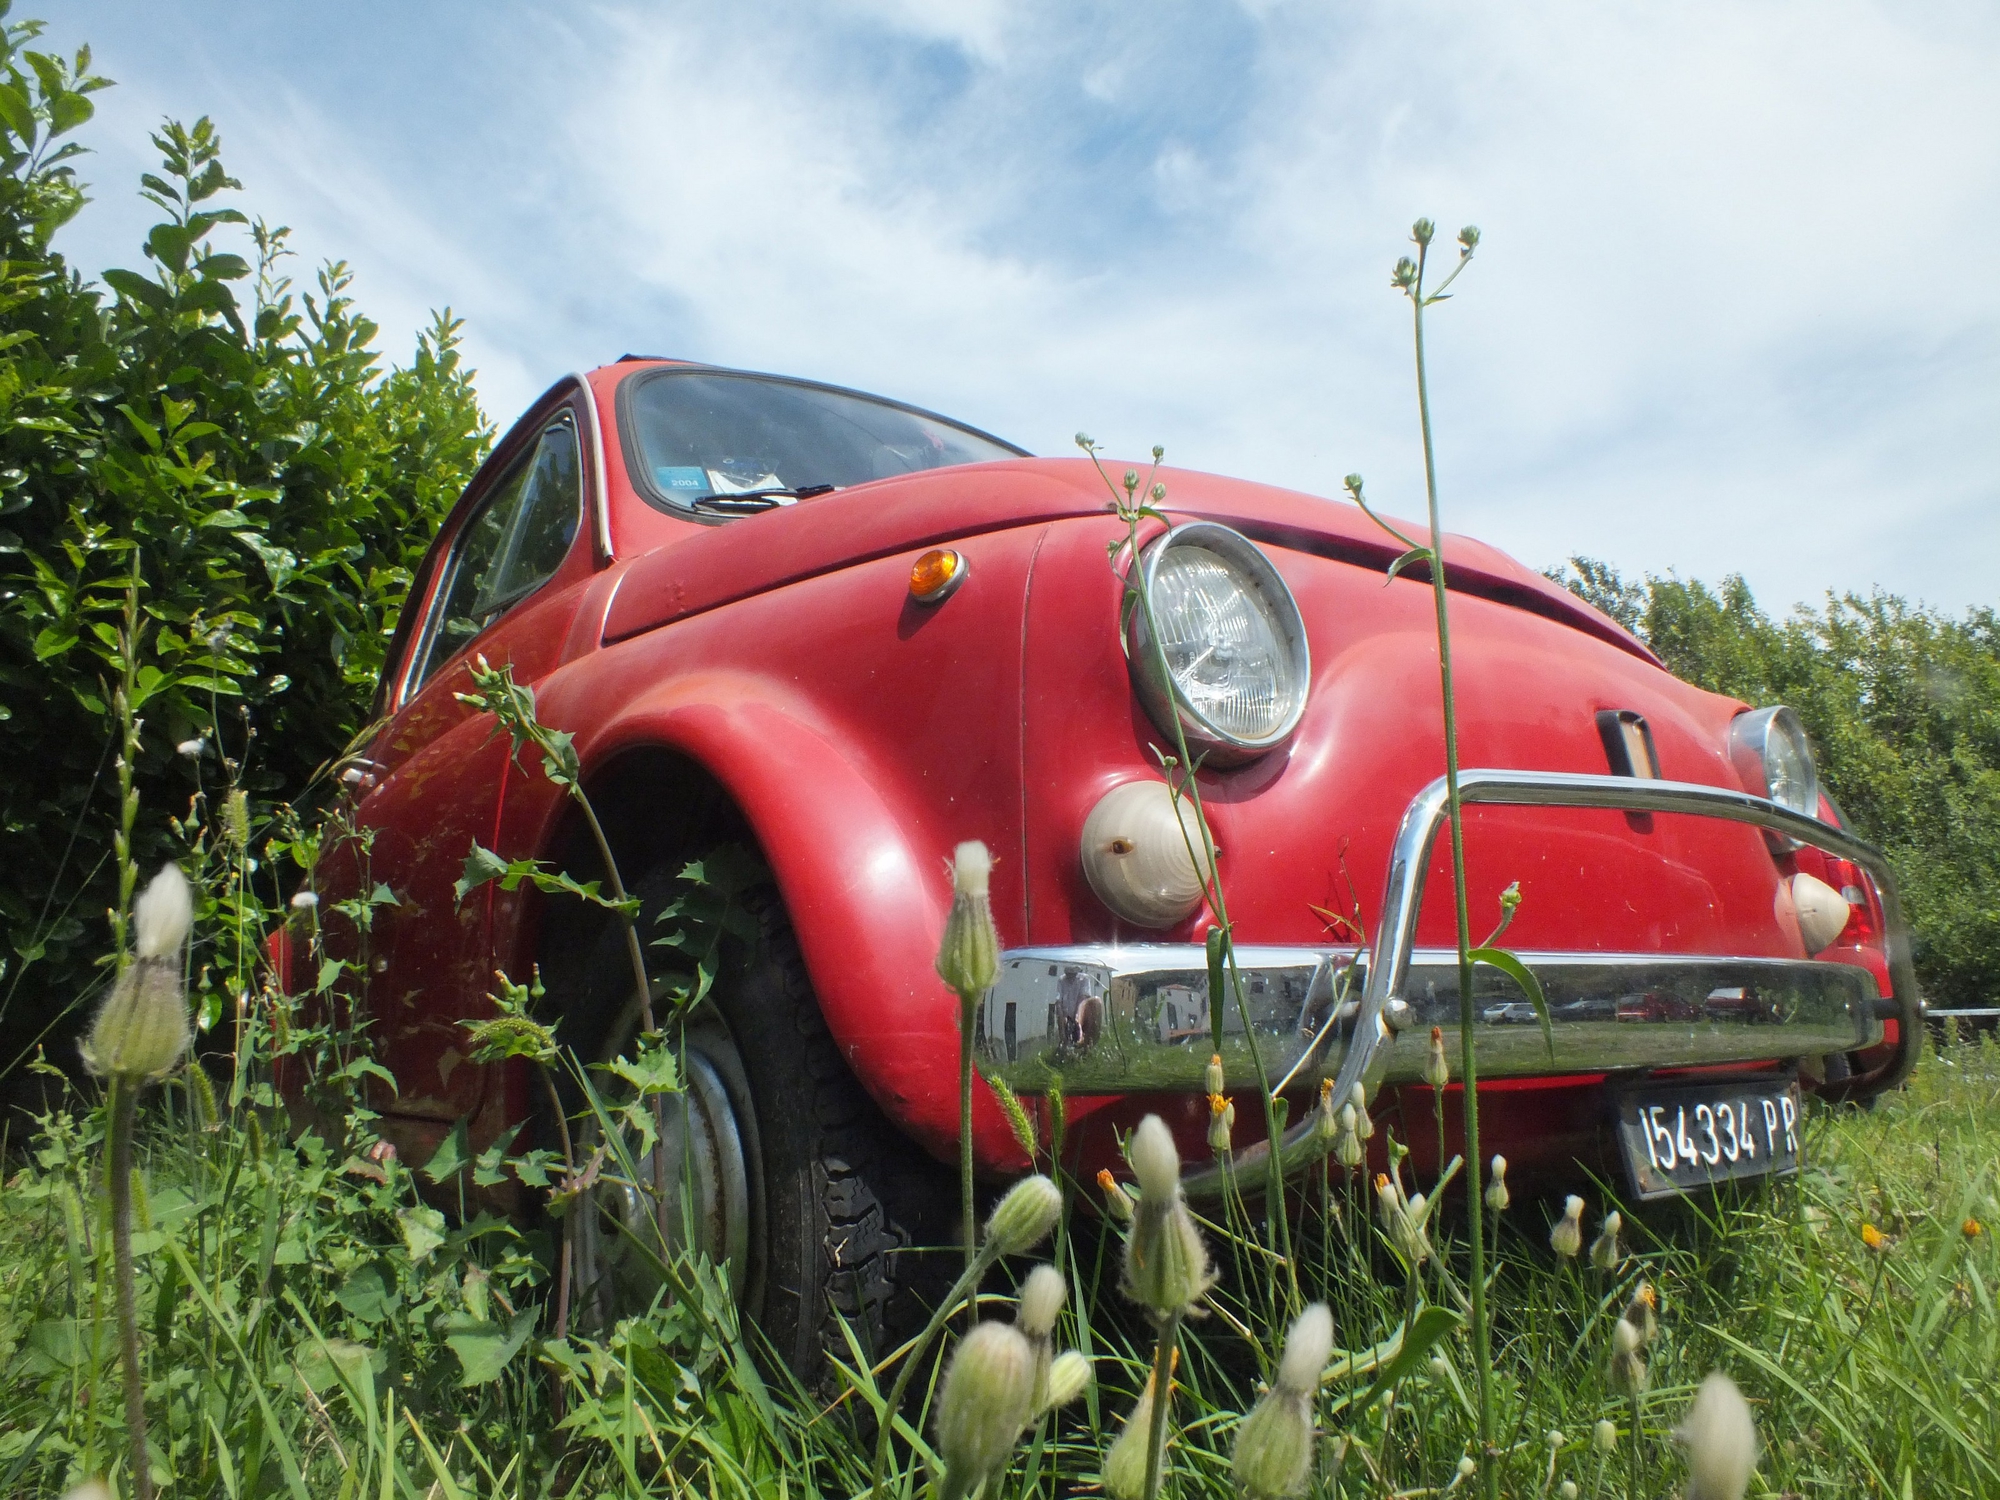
1731 313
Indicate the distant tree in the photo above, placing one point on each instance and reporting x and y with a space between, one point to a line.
277 485
1903 706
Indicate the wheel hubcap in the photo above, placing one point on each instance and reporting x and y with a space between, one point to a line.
691 1196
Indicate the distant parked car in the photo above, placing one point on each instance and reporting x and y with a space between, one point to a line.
1516 1012
845 634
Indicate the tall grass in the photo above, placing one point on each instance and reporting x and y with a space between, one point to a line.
312 1330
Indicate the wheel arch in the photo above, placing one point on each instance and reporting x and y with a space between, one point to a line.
669 780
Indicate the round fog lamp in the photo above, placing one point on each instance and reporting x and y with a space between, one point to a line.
1136 854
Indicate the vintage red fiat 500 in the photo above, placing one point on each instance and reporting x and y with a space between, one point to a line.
846 634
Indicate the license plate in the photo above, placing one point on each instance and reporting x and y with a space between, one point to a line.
1682 1136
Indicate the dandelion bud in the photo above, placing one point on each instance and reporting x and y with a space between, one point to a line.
1221 1122
1274 1447
1069 1377
1274 1444
1131 480
1166 1263
1721 1441
1352 484
1604 1438
1437 1070
1405 273
1117 1202
1639 1312
1157 493
1125 1464
1347 1148
1568 1490
1025 1215
1604 1251
1468 238
1566 1239
1422 230
1497 1196
984 1405
1307 1348
1628 1368
969 957
163 914
1156 1162
1085 441
1041 1299
142 1029
1213 1078
1405 1221
1363 1126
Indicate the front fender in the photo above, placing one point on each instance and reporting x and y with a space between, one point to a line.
862 880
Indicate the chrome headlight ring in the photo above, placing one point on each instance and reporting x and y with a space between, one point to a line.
1237 665
1770 751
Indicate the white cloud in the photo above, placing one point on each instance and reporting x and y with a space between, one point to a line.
1722 319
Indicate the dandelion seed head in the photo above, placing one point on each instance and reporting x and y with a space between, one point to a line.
1307 1348
1721 1441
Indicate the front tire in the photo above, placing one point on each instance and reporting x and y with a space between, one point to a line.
837 1208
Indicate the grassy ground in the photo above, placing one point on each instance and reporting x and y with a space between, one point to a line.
314 1329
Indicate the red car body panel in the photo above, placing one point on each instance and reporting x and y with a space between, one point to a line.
862 736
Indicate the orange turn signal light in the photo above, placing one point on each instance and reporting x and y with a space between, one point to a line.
936 575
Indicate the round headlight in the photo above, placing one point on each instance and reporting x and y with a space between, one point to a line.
1236 663
1770 750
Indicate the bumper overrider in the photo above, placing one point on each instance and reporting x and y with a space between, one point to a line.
1135 1018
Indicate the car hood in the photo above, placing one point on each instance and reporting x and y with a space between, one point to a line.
714 565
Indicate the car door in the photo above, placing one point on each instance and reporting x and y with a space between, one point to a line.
436 770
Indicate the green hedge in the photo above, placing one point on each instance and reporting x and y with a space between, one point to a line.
277 484
1903 706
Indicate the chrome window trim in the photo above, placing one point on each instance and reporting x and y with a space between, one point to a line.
600 492
416 669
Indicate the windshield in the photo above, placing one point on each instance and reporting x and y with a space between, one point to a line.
724 443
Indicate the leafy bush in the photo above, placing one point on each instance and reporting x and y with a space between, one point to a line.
240 446
1900 701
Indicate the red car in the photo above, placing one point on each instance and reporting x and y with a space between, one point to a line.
846 634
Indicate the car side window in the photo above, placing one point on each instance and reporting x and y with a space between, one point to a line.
510 546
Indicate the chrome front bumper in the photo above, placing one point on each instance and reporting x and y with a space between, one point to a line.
1136 1019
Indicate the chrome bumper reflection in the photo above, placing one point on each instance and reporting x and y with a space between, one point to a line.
1134 1019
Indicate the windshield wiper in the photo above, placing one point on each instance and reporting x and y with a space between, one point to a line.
750 501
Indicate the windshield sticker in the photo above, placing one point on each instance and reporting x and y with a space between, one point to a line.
681 481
